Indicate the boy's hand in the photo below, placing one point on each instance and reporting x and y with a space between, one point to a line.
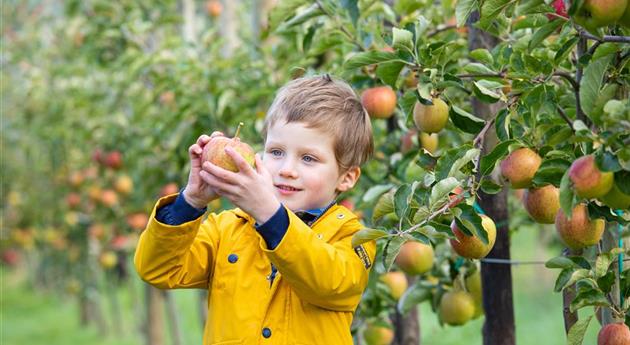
251 190
197 192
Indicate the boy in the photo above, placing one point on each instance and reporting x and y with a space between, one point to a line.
280 269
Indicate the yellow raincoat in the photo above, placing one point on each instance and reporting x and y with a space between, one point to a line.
311 300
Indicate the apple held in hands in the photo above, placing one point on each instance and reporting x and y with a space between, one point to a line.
214 151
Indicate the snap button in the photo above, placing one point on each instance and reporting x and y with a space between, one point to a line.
266 332
340 216
320 236
232 258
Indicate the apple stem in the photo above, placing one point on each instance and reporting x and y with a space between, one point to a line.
238 129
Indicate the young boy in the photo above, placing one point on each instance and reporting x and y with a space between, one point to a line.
280 269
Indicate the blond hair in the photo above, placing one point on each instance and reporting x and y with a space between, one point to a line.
329 105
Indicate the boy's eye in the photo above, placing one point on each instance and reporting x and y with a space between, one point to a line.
276 153
309 159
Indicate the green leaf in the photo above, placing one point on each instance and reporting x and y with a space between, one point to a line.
590 297
388 72
490 187
561 262
353 10
607 161
488 162
464 9
565 50
369 58
376 191
484 93
602 263
444 166
622 181
551 172
401 200
402 38
577 331
577 275
470 222
366 235
309 13
482 55
392 248
408 101
566 194
493 8
465 121
478 68
544 32
442 228
591 84
562 279
502 125
440 191
413 296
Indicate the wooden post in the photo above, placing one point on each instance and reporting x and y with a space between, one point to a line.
496 279
407 327
154 326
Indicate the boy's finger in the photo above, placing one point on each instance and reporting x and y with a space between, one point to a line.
240 162
203 139
216 134
224 175
195 149
260 168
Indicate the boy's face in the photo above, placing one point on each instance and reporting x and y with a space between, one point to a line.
303 167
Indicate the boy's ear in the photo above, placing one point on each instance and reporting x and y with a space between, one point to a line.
348 179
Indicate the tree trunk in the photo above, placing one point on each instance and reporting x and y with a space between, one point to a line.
155 316
568 294
496 279
260 12
173 318
407 327
189 29
229 27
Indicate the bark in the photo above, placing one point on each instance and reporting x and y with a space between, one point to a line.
173 318
568 294
229 27
499 325
407 327
189 29
154 327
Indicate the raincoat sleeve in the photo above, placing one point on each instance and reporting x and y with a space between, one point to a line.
177 256
328 273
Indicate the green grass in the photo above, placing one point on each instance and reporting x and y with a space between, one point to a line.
30 317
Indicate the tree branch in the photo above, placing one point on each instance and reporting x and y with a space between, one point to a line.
445 28
341 27
576 89
564 116
605 38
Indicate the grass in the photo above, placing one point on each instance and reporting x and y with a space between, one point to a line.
34 318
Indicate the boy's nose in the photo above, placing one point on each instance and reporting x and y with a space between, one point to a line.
287 170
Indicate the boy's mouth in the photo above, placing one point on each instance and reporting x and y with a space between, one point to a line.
284 189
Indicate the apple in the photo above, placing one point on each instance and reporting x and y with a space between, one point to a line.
588 181
406 142
73 200
542 204
214 8
456 307
168 189
415 258
614 334
431 118
76 179
108 259
97 156
97 230
114 160
579 231
560 9
10 256
214 151
109 198
167 98
379 102
138 221
123 184
594 14
472 247
520 166
616 199
396 282
455 197
428 141
375 334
